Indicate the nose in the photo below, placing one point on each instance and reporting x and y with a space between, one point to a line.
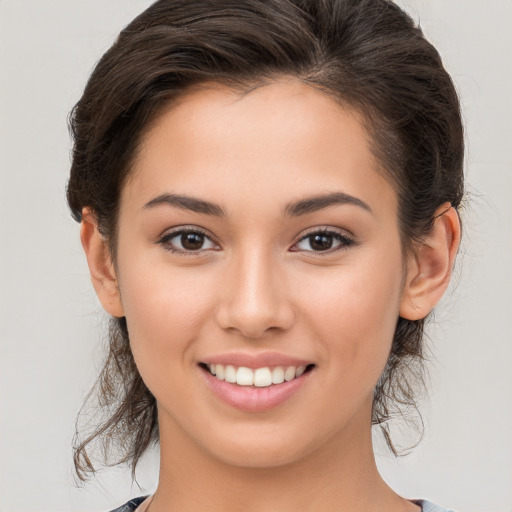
254 298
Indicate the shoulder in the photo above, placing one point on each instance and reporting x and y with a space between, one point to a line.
131 505
428 506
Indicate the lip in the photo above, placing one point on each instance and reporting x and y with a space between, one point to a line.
259 360
253 399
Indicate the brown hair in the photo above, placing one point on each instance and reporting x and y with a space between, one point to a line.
367 54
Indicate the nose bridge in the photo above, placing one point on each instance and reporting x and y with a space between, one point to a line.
254 300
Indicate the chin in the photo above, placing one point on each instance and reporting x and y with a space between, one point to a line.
263 450
258 457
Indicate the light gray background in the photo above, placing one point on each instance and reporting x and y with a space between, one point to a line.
50 323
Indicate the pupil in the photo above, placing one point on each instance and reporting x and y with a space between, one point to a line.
321 242
192 241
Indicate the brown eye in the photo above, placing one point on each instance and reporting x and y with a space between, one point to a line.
187 242
192 241
320 242
323 241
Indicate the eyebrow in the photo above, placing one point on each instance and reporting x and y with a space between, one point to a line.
316 203
186 203
295 209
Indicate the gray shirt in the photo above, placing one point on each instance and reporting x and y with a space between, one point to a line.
426 506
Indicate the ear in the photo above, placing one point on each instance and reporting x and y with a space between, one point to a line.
101 267
430 266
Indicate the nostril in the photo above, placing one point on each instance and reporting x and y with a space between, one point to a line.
254 315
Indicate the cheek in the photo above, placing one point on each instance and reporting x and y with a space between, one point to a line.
354 313
165 309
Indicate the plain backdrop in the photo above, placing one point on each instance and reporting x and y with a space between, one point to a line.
50 321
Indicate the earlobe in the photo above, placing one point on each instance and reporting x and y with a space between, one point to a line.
430 266
101 268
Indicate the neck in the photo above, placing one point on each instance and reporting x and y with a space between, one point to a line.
341 476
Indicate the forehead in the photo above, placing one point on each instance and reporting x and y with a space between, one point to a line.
280 139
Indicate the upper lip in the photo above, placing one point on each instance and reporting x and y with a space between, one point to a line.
257 360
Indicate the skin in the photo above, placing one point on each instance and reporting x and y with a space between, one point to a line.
256 285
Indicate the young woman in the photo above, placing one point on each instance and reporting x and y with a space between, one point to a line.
268 194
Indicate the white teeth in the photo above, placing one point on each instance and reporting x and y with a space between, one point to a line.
230 375
244 376
219 368
277 375
260 377
289 373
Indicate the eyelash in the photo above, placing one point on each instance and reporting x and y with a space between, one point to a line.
165 241
344 241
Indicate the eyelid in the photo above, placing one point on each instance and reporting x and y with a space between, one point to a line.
169 234
346 240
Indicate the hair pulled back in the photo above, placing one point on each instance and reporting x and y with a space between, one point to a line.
367 54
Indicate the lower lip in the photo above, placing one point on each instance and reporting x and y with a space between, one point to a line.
253 399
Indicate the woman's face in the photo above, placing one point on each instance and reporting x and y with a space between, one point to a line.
256 232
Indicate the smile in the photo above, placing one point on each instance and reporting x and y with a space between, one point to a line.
258 377
253 387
